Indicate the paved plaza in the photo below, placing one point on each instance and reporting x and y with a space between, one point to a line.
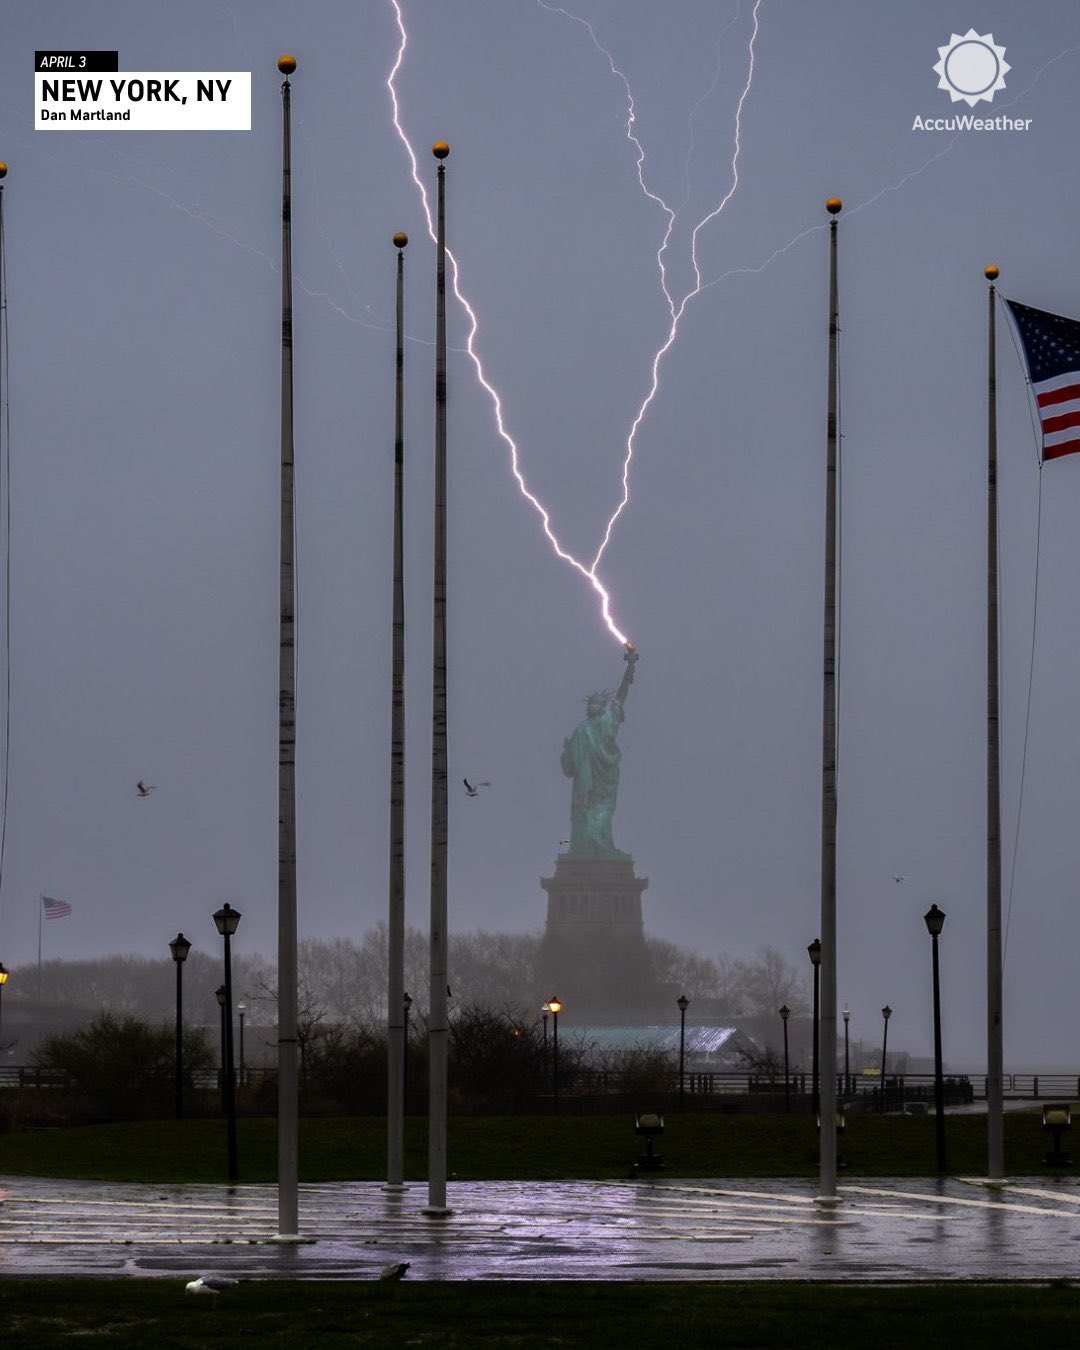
960 1228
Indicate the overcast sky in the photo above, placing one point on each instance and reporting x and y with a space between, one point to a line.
144 330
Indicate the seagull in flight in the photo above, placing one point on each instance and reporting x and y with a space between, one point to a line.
144 789
473 790
899 879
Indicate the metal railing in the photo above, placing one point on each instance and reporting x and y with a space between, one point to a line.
901 1087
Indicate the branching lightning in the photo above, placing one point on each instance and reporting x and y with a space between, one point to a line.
676 308
589 573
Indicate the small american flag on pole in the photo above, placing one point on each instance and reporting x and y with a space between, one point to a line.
55 909
1052 350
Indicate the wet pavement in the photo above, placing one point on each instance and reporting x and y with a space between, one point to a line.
959 1228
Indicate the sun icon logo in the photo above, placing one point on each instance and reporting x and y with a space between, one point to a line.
971 67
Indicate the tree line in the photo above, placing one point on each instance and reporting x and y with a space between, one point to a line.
343 981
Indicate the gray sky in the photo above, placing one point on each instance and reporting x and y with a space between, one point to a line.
143 303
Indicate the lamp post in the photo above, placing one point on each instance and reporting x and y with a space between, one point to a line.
227 920
814 951
219 994
847 1055
886 1013
544 1010
3 981
682 1003
241 1009
934 919
555 1008
179 947
785 1013
406 1003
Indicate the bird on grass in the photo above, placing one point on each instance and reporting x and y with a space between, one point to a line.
210 1284
144 789
472 790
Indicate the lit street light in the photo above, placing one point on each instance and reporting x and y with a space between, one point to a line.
555 1008
227 920
3 981
934 919
179 947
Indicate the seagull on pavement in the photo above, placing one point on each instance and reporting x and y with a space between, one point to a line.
394 1272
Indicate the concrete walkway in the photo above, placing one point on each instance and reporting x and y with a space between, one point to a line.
960 1228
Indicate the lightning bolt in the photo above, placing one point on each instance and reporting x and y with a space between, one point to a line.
677 309
589 573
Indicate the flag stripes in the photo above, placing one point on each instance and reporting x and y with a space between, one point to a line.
1051 345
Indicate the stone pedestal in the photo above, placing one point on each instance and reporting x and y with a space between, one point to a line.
593 955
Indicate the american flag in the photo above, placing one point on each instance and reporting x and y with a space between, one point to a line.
1052 351
55 909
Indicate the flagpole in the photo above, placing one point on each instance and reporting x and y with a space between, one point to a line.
995 1104
827 1017
288 1084
40 911
395 1023
438 1029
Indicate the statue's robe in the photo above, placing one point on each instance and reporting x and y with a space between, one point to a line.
591 758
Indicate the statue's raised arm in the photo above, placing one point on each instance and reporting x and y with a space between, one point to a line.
631 659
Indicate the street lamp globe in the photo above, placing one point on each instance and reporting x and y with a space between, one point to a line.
814 951
227 920
554 1006
682 1003
3 974
785 1012
934 919
179 947
219 993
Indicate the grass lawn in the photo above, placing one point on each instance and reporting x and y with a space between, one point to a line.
524 1148
138 1312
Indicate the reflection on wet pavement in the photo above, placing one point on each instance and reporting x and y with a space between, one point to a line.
888 1230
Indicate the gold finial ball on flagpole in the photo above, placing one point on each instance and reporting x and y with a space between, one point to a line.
440 149
400 239
991 273
834 206
286 64
3 169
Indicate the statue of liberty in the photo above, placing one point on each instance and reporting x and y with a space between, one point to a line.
591 758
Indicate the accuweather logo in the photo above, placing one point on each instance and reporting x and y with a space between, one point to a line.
971 69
